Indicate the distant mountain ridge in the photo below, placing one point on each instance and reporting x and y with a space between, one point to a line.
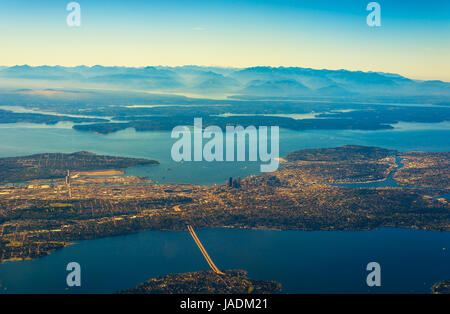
253 81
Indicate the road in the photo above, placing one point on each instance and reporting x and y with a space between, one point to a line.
202 249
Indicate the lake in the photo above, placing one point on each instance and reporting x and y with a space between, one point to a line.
302 261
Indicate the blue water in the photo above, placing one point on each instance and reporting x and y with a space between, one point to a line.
389 181
303 261
157 145
411 260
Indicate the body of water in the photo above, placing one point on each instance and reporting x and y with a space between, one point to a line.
24 139
302 261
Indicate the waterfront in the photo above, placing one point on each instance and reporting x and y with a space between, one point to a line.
21 141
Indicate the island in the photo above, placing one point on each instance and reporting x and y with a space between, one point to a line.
7 116
442 287
159 123
205 282
324 115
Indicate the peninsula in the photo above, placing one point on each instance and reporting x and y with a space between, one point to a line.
38 217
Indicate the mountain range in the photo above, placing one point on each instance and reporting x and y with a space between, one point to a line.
253 81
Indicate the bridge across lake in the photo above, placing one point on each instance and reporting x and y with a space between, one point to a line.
202 249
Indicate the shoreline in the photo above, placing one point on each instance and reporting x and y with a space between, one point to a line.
12 260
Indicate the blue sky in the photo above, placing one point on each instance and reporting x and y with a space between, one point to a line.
414 39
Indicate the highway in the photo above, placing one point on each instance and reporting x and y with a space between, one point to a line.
202 249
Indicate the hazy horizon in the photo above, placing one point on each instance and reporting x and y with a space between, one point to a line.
311 34
216 67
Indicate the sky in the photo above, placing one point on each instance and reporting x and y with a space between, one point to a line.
413 39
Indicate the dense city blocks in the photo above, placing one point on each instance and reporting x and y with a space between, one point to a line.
309 192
